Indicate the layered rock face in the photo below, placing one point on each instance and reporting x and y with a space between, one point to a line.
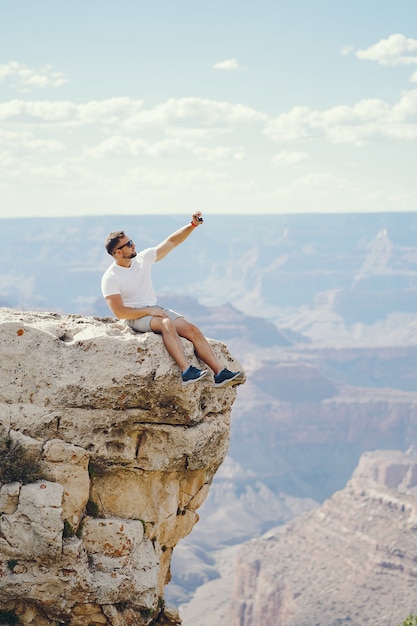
127 456
351 561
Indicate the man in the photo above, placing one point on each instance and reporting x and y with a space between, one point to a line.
127 287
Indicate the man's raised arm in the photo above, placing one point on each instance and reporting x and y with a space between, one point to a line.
178 237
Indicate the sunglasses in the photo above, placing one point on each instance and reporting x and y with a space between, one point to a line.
129 244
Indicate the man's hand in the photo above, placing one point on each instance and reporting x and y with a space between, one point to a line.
122 312
178 237
156 311
197 218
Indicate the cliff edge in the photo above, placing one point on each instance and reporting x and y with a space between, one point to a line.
105 459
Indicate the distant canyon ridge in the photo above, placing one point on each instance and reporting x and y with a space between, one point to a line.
335 279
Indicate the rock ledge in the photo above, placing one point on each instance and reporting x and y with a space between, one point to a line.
127 457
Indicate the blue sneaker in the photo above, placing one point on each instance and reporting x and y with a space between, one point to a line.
225 378
192 375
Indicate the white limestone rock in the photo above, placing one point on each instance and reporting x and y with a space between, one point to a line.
127 455
34 530
123 562
9 497
68 465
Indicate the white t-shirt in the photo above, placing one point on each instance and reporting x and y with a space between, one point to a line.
133 283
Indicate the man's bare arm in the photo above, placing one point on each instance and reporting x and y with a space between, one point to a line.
122 312
178 237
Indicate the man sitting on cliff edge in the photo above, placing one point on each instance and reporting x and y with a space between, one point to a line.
127 287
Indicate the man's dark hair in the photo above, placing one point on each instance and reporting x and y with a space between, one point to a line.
112 241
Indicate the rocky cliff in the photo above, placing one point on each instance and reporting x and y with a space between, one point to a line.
123 456
352 561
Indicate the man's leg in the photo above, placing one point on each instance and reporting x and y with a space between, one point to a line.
171 339
172 331
201 345
165 326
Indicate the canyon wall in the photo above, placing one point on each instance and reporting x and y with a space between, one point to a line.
351 561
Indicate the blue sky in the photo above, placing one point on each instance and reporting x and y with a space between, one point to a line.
167 106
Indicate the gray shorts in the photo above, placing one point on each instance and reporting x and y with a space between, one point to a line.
142 324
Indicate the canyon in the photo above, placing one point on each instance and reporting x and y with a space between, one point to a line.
320 311
330 565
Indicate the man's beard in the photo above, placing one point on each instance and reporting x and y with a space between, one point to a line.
132 255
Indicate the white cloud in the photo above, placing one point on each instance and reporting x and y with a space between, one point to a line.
289 157
413 78
36 174
289 126
195 133
227 64
219 153
119 145
6 161
395 50
112 132
205 182
114 146
107 111
15 143
354 125
125 146
324 182
194 111
58 172
180 178
25 77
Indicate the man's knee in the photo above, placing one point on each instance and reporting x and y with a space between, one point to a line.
160 324
195 329
192 332
167 325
